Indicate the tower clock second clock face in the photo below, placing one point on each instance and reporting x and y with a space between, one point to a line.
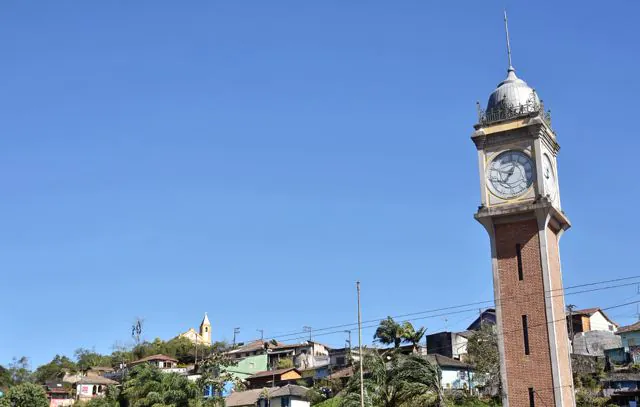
510 174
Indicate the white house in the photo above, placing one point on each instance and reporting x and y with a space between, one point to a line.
590 319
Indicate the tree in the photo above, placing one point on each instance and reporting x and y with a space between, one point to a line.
55 369
395 380
482 349
215 378
285 363
87 359
389 332
20 370
5 378
411 335
26 395
146 386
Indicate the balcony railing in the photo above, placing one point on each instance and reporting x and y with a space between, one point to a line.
507 111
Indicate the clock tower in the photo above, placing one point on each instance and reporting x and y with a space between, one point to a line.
520 209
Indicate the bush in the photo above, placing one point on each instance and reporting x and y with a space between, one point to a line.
26 395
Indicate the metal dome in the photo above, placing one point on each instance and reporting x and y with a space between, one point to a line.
512 92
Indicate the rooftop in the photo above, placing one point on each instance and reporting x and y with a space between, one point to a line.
629 328
269 373
96 380
152 358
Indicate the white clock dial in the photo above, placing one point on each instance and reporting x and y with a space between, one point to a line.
549 178
510 174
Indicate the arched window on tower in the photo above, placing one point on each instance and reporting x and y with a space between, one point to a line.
206 329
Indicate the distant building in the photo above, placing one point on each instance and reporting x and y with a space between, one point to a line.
285 396
590 319
305 355
339 358
89 387
203 336
450 344
248 366
58 394
290 395
278 377
456 375
487 317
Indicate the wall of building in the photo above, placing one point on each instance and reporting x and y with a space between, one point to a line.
526 297
459 346
630 339
562 345
599 323
455 379
299 403
249 366
593 343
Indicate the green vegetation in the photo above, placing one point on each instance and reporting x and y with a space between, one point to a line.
390 332
285 363
482 350
25 395
395 380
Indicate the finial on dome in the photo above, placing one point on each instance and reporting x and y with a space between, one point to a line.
506 29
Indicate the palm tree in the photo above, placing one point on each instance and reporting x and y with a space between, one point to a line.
389 332
146 386
410 335
395 380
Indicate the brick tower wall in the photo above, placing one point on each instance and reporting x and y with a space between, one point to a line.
562 336
518 298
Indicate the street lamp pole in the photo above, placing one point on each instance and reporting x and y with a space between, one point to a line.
361 355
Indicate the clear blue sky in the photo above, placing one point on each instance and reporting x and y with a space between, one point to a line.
254 159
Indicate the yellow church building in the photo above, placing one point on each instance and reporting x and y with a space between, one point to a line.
202 337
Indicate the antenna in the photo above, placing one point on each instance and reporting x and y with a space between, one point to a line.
506 29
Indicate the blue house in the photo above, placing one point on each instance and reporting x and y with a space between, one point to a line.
630 336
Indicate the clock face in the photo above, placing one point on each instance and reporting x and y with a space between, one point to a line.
549 177
510 174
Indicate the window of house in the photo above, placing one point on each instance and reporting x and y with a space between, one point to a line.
340 360
284 401
532 402
525 334
519 257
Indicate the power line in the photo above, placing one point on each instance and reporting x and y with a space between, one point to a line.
501 300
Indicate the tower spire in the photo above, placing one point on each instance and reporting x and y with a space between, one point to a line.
506 29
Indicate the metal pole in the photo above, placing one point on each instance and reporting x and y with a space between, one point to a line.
361 356
570 307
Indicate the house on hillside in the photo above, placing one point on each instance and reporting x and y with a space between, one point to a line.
247 398
487 317
89 387
165 363
590 319
248 366
450 344
270 378
58 394
456 375
623 388
286 396
290 395
253 348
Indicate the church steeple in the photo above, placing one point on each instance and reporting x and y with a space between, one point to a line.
205 329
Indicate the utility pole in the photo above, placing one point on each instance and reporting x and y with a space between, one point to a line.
348 343
236 331
361 355
261 334
307 329
570 308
